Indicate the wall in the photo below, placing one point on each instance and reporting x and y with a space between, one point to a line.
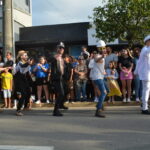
22 5
21 15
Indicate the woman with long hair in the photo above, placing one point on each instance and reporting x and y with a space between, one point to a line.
126 75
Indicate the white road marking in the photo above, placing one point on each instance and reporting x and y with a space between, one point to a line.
5 147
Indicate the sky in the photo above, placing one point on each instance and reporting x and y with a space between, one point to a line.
47 12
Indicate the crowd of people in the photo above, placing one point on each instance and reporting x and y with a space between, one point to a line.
91 76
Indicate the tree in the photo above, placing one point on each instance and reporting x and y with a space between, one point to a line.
128 20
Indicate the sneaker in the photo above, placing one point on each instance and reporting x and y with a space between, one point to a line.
137 100
145 112
19 113
47 101
57 113
99 114
96 99
33 98
109 101
22 107
14 107
67 102
38 102
128 100
124 100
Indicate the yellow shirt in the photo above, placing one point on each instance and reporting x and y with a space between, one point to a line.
6 79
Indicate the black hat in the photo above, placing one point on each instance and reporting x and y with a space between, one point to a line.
61 45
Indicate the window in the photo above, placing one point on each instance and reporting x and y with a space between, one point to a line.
1 2
27 2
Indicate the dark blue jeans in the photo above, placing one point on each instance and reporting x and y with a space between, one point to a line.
138 87
101 86
81 88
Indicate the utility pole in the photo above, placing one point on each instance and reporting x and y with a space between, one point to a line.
7 27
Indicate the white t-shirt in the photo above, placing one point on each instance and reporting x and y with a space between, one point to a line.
98 70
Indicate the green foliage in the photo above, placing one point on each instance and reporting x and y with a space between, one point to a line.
128 20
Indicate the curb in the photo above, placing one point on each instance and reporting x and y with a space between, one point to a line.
84 104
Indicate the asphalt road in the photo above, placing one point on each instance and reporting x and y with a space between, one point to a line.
124 128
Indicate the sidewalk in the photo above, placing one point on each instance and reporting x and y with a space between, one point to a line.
85 104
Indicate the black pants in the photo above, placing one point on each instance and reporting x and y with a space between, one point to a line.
60 93
22 90
23 97
90 90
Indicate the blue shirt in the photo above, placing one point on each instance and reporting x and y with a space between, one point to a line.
74 64
108 74
32 68
40 73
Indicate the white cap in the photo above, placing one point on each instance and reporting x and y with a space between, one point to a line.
146 38
101 43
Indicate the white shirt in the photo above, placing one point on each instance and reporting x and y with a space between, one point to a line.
143 64
90 66
98 70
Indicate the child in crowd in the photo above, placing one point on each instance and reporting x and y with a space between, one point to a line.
6 81
112 76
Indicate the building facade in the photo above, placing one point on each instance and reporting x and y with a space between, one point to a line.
42 40
22 17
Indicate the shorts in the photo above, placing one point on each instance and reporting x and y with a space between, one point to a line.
124 77
7 93
41 81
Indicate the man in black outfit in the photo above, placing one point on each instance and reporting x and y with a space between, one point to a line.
22 78
57 72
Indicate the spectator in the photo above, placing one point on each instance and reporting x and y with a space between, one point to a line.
1 61
126 75
33 79
85 53
81 79
1 68
111 76
110 57
137 81
9 61
6 80
41 72
51 87
74 62
68 78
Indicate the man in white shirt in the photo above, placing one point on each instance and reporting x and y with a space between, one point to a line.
143 70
